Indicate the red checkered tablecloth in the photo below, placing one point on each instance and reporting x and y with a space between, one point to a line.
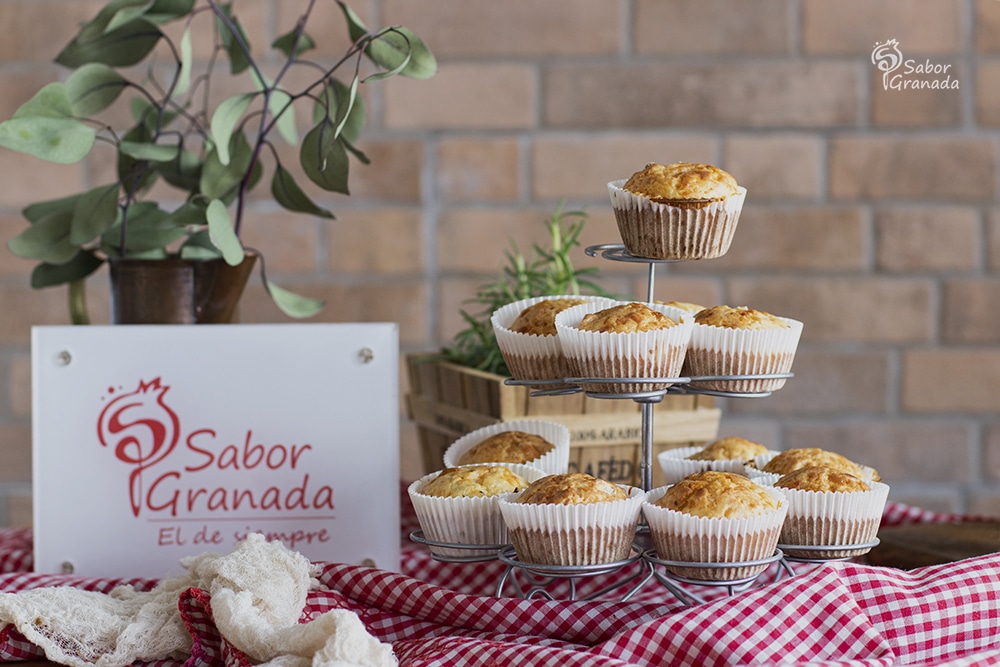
434 613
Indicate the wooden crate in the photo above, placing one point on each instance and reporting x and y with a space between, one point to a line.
447 401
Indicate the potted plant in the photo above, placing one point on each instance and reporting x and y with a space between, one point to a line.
463 387
209 156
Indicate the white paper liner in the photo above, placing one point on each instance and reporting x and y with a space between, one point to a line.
832 518
755 470
530 356
553 462
464 520
647 354
676 466
583 534
661 231
717 351
684 537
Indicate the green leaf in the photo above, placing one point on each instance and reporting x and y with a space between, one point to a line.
291 304
47 239
355 26
186 56
133 173
199 246
149 230
290 196
164 11
238 60
286 43
341 104
220 230
37 211
183 173
52 101
153 152
224 120
188 214
400 51
94 214
324 159
218 181
147 114
123 47
80 266
44 127
134 10
93 87
279 104
100 23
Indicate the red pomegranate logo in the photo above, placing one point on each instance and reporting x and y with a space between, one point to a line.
142 430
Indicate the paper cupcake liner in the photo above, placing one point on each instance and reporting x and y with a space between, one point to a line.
664 231
553 462
683 537
676 466
530 356
585 534
828 518
715 351
647 354
466 521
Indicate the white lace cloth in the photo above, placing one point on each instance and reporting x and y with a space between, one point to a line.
258 593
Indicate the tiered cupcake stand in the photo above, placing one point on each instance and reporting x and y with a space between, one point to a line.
626 577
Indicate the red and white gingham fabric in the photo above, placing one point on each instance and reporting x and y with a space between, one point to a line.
843 614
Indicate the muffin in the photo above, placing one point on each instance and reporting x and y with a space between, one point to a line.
625 340
733 341
682 210
526 335
686 306
791 460
572 519
729 454
537 442
459 506
831 508
712 518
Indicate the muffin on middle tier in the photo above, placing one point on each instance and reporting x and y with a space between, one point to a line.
537 442
572 519
728 454
626 340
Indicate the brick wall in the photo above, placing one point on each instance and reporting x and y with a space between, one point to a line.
872 214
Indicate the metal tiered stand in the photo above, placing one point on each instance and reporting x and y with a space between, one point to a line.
540 580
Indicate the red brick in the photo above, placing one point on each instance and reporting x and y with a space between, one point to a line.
986 24
703 291
915 167
28 180
910 238
993 239
464 96
916 107
991 452
32 307
19 385
735 94
15 453
519 28
987 99
842 309
950 380
38 29
969 312
901 450
676 27
850 27
563 166
19 510
478 169
288 241
776 166
826 382
807 239
326 24
379 241
11 266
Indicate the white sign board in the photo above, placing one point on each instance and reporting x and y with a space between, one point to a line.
152 443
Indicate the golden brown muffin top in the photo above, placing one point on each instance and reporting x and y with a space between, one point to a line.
732 448
626 318
682 181
791 460
740 317
540 318
683 305
574 488
822 478
474 482
507 447
718 495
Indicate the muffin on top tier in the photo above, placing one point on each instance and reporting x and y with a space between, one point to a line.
682 183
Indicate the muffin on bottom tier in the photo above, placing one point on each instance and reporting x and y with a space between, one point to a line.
572 520
730 341
460 505
526 335
715 517
828 507
632 352
551 462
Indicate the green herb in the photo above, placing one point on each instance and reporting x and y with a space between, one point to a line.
544 272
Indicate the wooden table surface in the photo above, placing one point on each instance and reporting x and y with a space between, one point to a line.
917 545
